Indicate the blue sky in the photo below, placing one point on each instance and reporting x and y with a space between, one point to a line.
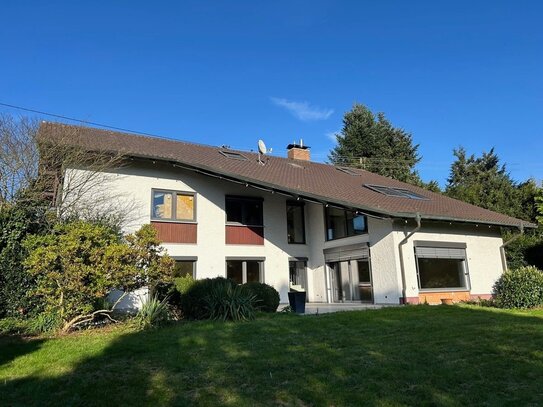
230 72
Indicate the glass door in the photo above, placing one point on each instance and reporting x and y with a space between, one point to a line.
362 286
350 280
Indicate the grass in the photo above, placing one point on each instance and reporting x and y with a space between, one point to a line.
416 355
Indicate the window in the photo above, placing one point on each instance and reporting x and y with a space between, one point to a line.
349 171
343 223
397 192
182 268
233 155
295 222
245 271
173 206
244 211
441 267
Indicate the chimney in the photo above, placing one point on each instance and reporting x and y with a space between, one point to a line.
298 152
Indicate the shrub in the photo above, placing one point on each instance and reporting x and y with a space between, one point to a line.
78 263
14 326
182 284
153 313
217 298
16 222
44 322
520 288
267 297
228 301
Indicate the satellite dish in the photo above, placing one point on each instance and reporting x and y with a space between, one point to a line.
261 147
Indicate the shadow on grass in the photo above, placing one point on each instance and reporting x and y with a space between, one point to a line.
13 346
403 356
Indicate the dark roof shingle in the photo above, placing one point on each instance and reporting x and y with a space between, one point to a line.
318 181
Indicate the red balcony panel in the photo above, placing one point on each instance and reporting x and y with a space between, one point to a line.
244 234
172 232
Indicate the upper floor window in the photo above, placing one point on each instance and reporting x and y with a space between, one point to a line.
173 206
295 222
244 211
344 223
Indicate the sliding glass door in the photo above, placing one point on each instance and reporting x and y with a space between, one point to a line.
350 281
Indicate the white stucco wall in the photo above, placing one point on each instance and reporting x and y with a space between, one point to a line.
482 252
131 189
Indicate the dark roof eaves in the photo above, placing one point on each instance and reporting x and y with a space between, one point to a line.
323 199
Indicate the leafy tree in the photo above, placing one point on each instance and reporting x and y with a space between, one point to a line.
539 206
370 142
484 182
16 222
79 263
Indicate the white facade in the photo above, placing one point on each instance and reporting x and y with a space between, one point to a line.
132 187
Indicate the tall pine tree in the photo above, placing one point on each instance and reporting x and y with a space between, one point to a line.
370 142
484 182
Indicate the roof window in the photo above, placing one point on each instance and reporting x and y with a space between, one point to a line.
397 192
233 155
348 170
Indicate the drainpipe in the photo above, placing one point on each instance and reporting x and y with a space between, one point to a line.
400 247
502 247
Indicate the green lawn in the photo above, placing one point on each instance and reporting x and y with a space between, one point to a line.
416 355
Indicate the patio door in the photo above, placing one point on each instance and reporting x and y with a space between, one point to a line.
350 281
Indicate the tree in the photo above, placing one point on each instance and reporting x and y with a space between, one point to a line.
484 182
79 263
539 206
37 161
372 143
16 222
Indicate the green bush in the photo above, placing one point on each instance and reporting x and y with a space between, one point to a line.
14 326
217 298
17 221
182 284
267 297
78 263
45 322
520 288
153 313
231 302
526 250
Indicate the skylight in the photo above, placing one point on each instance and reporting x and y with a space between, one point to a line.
348 170
233 155
397 192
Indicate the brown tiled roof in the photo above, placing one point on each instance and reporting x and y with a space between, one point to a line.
315 181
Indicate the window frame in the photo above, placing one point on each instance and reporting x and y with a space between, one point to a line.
464 262
241 199
174 193
302 206
192 259
233 155
398 192
244 260
326 223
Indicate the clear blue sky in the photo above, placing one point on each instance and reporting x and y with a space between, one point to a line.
229 72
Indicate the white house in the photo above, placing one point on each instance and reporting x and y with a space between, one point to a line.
340 234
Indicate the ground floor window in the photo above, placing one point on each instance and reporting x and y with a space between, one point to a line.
442 267
245 271
184 267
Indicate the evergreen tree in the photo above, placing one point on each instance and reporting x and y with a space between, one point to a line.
484 182
372 143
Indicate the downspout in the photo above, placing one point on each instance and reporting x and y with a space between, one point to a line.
402 266
502 247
